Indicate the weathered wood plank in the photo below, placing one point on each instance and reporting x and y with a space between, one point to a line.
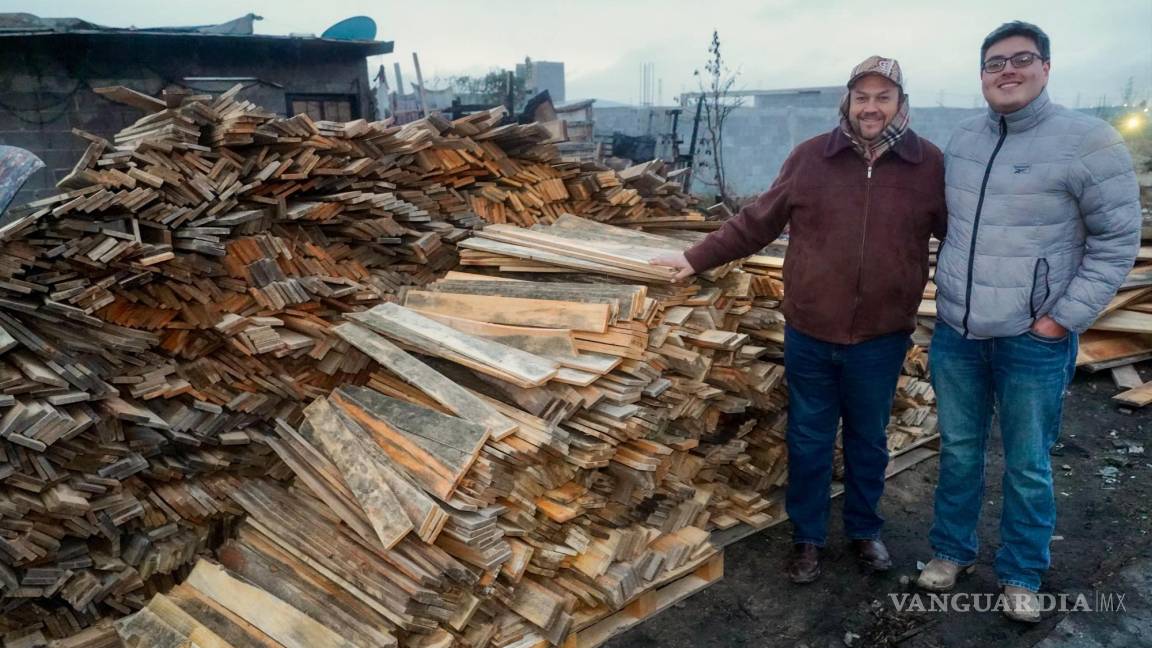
444 391
274 617
357 460
434 448
515 311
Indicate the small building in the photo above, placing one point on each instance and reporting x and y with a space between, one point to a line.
49 67
542 75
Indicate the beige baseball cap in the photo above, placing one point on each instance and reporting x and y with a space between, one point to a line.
886 67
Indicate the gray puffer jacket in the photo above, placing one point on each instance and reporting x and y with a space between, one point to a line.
1043 219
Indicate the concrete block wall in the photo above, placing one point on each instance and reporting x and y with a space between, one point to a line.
758 140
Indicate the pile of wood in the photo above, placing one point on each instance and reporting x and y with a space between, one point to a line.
233 335
525 440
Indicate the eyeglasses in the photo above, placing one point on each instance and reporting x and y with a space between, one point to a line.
1020 60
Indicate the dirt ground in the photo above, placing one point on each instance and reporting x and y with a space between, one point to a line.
1104 498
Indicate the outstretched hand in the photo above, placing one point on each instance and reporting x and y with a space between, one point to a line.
678 261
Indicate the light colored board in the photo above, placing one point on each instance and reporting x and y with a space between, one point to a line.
1104 350
525 369
1126 377
554 344
565 262
1137 396
452 396
1138 278
1125 321
628 299
514 311
633 257
1126 298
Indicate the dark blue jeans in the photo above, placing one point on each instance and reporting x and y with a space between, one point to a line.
1022 379
826 383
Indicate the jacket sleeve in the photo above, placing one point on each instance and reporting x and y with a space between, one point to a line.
1104 183
756 225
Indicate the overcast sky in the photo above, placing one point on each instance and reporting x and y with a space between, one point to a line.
1097 44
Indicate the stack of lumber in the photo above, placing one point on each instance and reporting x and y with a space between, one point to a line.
232 335
523 458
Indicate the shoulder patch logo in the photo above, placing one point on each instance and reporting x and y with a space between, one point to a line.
1019 169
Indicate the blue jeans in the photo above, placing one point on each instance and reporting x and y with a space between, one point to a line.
1022 379
826 383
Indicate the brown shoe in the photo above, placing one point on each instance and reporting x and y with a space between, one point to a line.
804 563
872 554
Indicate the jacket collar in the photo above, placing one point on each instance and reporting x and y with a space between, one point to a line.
908 147
1027 117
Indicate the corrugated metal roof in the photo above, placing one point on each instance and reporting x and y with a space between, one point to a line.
29 25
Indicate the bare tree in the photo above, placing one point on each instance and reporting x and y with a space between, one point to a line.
716 84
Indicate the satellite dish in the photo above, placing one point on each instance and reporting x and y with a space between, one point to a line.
356 28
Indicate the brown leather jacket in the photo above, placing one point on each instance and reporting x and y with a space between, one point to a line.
857 255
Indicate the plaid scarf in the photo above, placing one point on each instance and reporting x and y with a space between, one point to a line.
887 138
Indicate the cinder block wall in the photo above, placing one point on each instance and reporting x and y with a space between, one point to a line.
758 140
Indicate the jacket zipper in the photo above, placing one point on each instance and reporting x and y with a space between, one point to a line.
863 240
976 223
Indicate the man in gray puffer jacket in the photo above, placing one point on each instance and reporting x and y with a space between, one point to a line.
1044 225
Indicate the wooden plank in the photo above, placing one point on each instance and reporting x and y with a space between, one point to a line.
358 460
270 568
557 259
1103 350
514 311
1126 377
1137 278
147 628
1137 396
274 617
175 617
1125 321
630 257
555 344
130 97
525 369
629 299
1126 298
452 396
433 448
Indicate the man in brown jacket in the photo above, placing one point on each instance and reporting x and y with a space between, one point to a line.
861 203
